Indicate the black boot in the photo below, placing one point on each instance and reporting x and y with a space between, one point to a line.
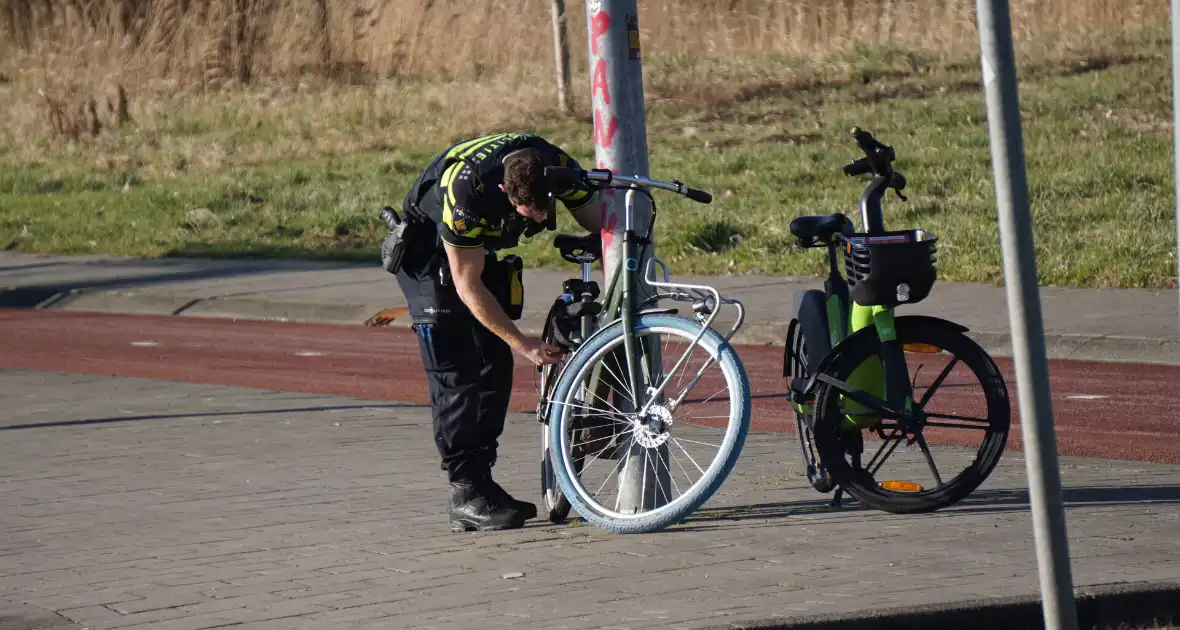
526 509
474 508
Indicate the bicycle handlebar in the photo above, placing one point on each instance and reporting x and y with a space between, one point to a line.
878 160
561 177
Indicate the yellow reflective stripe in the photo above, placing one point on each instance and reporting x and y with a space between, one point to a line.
445 181
448 214
461 148
468 148
462 246
490 140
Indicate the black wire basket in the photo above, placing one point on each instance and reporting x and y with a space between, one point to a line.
889 268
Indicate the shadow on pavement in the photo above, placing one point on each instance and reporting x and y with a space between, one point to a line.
112 420
25 267
1002 500
981 502
17 295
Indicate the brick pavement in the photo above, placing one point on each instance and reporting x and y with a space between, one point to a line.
131 503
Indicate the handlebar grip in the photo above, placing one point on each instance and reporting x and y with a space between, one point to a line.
699 195
865 140
562 178
859 167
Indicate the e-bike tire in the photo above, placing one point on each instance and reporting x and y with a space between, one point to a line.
809 342
827 426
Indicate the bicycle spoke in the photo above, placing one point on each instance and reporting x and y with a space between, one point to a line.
617 467
626 389
689 456
605 437
682 469
671 477
938 382
643 484
950 425
701 443
951 416
896 439
607 403
701 402
701 426
929 459
598 411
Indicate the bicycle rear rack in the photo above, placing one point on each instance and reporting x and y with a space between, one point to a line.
705 299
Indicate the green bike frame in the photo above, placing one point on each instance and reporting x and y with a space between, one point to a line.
886 376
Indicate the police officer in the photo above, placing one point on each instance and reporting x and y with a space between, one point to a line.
476 198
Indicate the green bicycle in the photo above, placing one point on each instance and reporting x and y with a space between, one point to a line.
623 441
848 360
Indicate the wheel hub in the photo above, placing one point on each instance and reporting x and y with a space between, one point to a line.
652 431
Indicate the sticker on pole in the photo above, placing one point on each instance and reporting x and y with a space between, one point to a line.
633 37
595 6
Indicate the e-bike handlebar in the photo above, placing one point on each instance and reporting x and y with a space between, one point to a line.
878 161
562 177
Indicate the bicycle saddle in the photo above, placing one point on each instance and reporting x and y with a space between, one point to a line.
570 246
819 230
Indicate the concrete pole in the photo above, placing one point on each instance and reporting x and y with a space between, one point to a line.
1024 313
620 144
561 55
1176 121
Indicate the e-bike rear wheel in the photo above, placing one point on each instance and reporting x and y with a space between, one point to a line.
981 421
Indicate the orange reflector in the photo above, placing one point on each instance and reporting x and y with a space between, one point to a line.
901 486
921 347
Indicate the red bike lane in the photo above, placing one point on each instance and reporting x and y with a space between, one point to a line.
1115 410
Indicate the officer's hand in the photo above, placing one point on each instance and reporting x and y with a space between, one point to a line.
541 353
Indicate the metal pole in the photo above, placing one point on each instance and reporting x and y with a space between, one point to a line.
1176 122
620 144
1024 313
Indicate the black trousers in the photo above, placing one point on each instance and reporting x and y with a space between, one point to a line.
469 370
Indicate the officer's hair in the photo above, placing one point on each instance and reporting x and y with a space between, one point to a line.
524 178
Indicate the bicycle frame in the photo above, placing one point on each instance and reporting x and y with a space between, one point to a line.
705 298
888 378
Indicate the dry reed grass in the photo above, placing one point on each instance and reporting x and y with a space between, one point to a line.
210 42
488 63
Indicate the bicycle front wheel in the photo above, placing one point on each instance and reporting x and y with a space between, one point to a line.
962 402
641 463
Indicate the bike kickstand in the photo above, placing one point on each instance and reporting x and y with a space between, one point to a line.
836 498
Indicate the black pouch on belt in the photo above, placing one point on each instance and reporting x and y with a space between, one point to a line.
512 286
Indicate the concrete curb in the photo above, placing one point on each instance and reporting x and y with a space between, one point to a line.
1101 607
999 344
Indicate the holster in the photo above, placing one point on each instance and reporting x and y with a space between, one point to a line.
402 233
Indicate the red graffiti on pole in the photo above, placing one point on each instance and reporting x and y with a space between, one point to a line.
604 130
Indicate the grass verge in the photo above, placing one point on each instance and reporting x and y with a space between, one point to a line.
301 168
